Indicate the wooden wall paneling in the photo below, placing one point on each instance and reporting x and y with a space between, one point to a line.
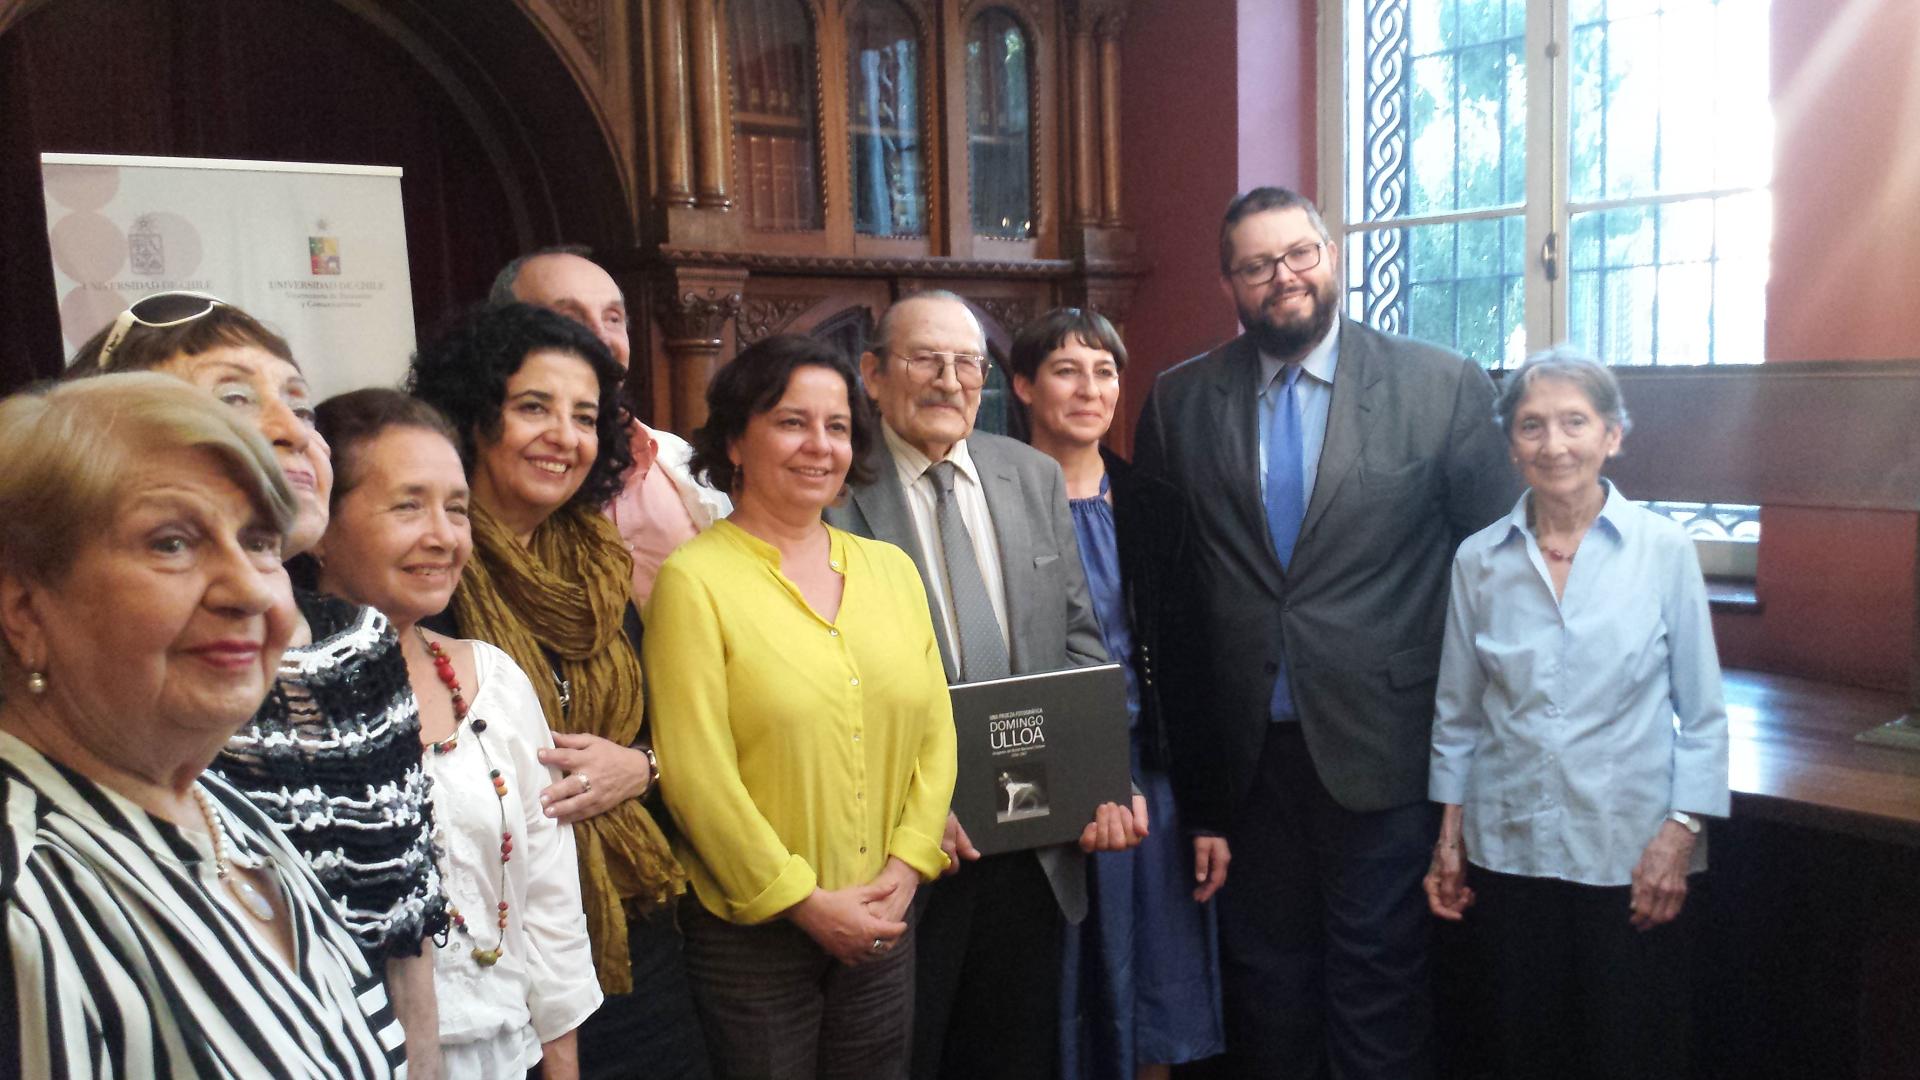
593 37
673 116
711 129
1049 141
696 309
1083 136
1107 36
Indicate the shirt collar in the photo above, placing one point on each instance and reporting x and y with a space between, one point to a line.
1614 511
770 555
912 464
1319 363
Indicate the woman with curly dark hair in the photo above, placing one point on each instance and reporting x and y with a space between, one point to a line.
535 401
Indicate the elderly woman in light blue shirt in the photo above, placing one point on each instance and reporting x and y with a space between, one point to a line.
1579 741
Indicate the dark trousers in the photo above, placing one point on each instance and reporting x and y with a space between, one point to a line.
1324 930
653 1031
776 1006
1577 991
988 982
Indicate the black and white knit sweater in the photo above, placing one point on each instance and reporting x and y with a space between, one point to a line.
333 759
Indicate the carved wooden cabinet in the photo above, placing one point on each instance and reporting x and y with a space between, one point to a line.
811 161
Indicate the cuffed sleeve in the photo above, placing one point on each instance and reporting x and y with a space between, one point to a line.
1459 700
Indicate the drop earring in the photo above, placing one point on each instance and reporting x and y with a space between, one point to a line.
36 683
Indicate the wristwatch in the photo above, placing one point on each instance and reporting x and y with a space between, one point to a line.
1686 820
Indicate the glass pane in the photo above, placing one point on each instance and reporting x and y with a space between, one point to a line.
1669 96
1457 284
999 126
883 82
1441 122
1682 282
775 155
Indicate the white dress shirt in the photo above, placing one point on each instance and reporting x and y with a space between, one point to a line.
912 465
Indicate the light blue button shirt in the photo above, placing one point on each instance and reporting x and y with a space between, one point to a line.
1569 728
1313 396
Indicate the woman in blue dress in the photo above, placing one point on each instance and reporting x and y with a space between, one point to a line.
1141 987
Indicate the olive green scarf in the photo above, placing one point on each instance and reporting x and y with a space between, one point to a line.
558 605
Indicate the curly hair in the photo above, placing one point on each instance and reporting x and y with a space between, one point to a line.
147 347
754 382
464 371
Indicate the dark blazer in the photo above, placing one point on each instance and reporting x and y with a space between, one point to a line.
1050 618
1169 646
1413 464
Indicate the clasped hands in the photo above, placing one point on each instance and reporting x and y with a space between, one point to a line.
860 923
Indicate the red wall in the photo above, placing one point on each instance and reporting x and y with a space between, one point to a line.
1838 587
1219 96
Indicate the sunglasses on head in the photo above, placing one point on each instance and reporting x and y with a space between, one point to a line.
157 312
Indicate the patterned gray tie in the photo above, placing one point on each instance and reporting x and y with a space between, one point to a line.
982 651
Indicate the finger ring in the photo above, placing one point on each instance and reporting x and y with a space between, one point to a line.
586 782
879 947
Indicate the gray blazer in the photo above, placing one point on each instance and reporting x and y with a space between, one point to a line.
1050 619
1413 464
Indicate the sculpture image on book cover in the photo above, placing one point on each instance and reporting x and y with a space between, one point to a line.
1038 754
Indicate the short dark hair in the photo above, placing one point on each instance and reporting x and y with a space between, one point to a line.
1050 331
1259 201
503 282
753 382
463 372
147 347
351 420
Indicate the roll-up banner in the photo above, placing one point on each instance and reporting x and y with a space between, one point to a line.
316 252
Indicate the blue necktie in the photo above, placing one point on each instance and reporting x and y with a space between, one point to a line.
1286 501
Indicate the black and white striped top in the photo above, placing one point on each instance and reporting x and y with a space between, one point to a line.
121 962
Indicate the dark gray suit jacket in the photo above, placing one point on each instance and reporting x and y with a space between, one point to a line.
1050 620
1413 464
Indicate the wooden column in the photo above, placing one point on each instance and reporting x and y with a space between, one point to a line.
1084 136
696 307
709 115
1110 120
672 141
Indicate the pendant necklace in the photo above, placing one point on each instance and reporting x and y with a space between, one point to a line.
443 668
251 898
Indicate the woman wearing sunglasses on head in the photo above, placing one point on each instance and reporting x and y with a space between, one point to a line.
333 755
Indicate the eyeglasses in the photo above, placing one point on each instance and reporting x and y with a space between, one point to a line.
157 312
1260 271
970 368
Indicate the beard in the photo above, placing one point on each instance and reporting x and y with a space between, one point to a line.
1284 338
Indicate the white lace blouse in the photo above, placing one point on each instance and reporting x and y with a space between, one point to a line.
493 1019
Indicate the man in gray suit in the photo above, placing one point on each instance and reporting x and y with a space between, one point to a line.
1330 471
986 520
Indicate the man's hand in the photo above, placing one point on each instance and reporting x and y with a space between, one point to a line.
957 846
1210 858
1115 827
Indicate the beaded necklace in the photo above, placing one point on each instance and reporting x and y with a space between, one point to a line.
443 667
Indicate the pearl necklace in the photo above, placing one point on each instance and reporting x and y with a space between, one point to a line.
443 668
251 898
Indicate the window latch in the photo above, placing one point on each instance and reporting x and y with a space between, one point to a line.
1550 256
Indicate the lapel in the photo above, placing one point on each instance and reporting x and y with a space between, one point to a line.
1349 418
1236 382
1000 482
883 506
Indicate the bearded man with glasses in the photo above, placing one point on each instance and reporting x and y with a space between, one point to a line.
1330 471
985 519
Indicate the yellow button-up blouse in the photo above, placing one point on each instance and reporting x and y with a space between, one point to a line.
795 751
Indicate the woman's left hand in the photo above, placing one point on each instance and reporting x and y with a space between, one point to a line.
600 776
905 880
1660 880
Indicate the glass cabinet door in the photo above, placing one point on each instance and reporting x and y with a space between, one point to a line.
884 122
774 147
1000 125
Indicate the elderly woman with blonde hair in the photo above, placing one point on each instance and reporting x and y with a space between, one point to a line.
157 923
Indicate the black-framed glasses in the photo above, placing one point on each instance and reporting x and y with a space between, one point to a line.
1260 271
157 312
970 368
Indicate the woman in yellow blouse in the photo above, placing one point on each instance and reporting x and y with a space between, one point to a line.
796 678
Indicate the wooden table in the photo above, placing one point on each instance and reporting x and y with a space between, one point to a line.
1794 759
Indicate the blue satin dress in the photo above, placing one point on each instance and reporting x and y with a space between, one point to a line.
1141 983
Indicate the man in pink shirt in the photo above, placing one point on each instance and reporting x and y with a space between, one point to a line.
661 506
